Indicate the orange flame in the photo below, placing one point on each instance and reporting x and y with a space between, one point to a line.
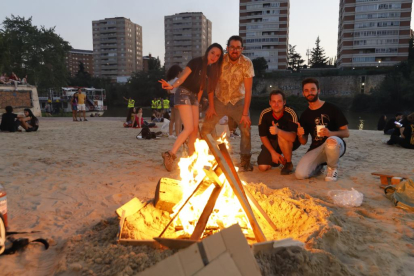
227 210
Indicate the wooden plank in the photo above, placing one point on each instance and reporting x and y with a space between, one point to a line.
167 194
201 186
227 157
259 210
205 215
390 174
149 243
175 243
260 237
256 206
130 208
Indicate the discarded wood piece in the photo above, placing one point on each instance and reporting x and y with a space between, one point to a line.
130 208
167 194
260 237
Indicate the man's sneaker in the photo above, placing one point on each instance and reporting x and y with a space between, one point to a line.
168 160
331 174
85 120
172 136
236 134
287 168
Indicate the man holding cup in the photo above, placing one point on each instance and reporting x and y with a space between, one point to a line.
327 126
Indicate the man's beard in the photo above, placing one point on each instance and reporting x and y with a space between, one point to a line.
232 58
315 98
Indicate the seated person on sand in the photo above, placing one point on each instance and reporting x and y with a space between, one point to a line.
406 137
29 122
277 130
138 120
327 126
9 120
390 126
130 117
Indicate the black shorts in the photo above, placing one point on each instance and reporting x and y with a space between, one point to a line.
265 158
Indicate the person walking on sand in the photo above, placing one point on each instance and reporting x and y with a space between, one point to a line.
81 105
277 130
327 126
190 86
232 97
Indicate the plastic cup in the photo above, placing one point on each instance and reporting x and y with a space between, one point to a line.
318 128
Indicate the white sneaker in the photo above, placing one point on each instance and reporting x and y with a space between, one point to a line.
332 174
172 137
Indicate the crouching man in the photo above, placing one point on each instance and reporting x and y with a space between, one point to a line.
277 130
327 126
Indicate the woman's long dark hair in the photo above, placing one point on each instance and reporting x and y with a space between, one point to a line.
215 68
173 72
32 116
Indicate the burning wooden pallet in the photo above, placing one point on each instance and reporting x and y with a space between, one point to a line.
222 165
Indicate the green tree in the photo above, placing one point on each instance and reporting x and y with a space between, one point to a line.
260 66
154 63
318 58
36 52
295 59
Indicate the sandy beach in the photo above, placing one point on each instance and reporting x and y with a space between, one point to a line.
67 180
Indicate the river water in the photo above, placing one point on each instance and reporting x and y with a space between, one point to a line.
357 120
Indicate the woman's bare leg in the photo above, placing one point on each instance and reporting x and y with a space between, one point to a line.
172 120
186 112
194 133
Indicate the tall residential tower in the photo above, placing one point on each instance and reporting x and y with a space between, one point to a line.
117 47
264 26
187 35
373 32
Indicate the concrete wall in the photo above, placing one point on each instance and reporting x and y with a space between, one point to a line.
25 96
330 86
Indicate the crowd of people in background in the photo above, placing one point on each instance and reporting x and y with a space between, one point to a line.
400 128
12 122
13 79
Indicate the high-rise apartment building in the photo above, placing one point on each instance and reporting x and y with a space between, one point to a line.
117 47
187 35
373 32
73 59
264 27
